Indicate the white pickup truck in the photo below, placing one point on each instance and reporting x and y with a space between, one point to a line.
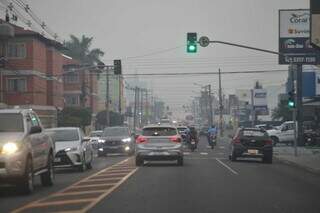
283 134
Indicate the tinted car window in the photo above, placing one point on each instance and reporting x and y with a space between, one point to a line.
96 134
64 135
13 122
159 131
115 132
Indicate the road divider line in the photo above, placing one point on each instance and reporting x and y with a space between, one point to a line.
77 193
228 167
108 192
54 203
92 185
42 201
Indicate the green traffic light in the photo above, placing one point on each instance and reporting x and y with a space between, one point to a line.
192 48
291 104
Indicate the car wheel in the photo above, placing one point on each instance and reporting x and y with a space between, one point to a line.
89 165
27 181
180 161
139 161
82 167
267 158
233 156
47 178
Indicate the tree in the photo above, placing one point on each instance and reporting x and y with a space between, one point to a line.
74 117
79 48
116 119
282 112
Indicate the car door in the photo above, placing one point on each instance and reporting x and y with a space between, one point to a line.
35 142
85 146
290 132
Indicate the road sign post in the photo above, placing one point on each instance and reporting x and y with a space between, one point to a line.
315 23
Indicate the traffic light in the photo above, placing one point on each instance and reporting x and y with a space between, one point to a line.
291 100
192 42
117 67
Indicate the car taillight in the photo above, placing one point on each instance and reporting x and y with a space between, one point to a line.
141 139
268 142
175 139
236 140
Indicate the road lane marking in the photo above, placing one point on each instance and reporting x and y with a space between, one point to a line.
65 198
186 153
226 166
221 147
203 153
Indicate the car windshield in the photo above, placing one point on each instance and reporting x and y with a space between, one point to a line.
181 129
11 122
96 134
115 132
64 135
253 133
159 131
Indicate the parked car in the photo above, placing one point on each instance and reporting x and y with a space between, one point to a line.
251 142
116 140
159 143
95 138
25 150
73 149
284 134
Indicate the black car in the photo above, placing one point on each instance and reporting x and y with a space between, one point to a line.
251 142
116 140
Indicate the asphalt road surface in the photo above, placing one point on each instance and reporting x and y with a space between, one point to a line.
208 182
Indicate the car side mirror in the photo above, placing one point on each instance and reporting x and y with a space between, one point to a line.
35 129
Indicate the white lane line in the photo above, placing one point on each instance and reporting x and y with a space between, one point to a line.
203 153
221 147
228 167
186 153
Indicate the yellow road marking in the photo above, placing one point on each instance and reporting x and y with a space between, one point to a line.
92 201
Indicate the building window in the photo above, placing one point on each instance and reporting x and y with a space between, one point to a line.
72 100
17 85
16 50
71 78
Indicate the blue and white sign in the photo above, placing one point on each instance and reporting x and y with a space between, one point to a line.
260 102
294 38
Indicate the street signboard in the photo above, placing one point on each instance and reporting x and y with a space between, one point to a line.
315 22
260 102
294 38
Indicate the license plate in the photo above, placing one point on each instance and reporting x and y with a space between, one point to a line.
158 153
57 160
253 151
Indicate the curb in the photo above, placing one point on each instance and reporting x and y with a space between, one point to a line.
299 166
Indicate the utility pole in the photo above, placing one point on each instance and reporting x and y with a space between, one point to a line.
136 93
220 106
147 110
107 99
210 106
120 93
299 105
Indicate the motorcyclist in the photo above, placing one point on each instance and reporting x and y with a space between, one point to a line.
193 134
212 132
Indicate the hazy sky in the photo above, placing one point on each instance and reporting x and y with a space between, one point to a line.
128 28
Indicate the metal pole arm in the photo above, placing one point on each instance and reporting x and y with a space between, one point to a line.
247 47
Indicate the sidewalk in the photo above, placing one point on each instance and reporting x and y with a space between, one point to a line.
308 158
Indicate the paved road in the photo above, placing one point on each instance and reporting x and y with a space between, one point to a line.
210 183
207 182
10 199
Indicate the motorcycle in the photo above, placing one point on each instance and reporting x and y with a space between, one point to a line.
213 141
193 145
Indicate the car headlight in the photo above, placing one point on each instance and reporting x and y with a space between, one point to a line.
71 149
126 140
101 141
9 148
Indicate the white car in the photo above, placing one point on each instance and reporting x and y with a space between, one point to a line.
95 138
72 148
284 134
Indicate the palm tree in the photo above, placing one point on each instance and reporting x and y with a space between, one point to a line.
79 48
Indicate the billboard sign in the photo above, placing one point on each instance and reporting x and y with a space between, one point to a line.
294 38
260 102
315 22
